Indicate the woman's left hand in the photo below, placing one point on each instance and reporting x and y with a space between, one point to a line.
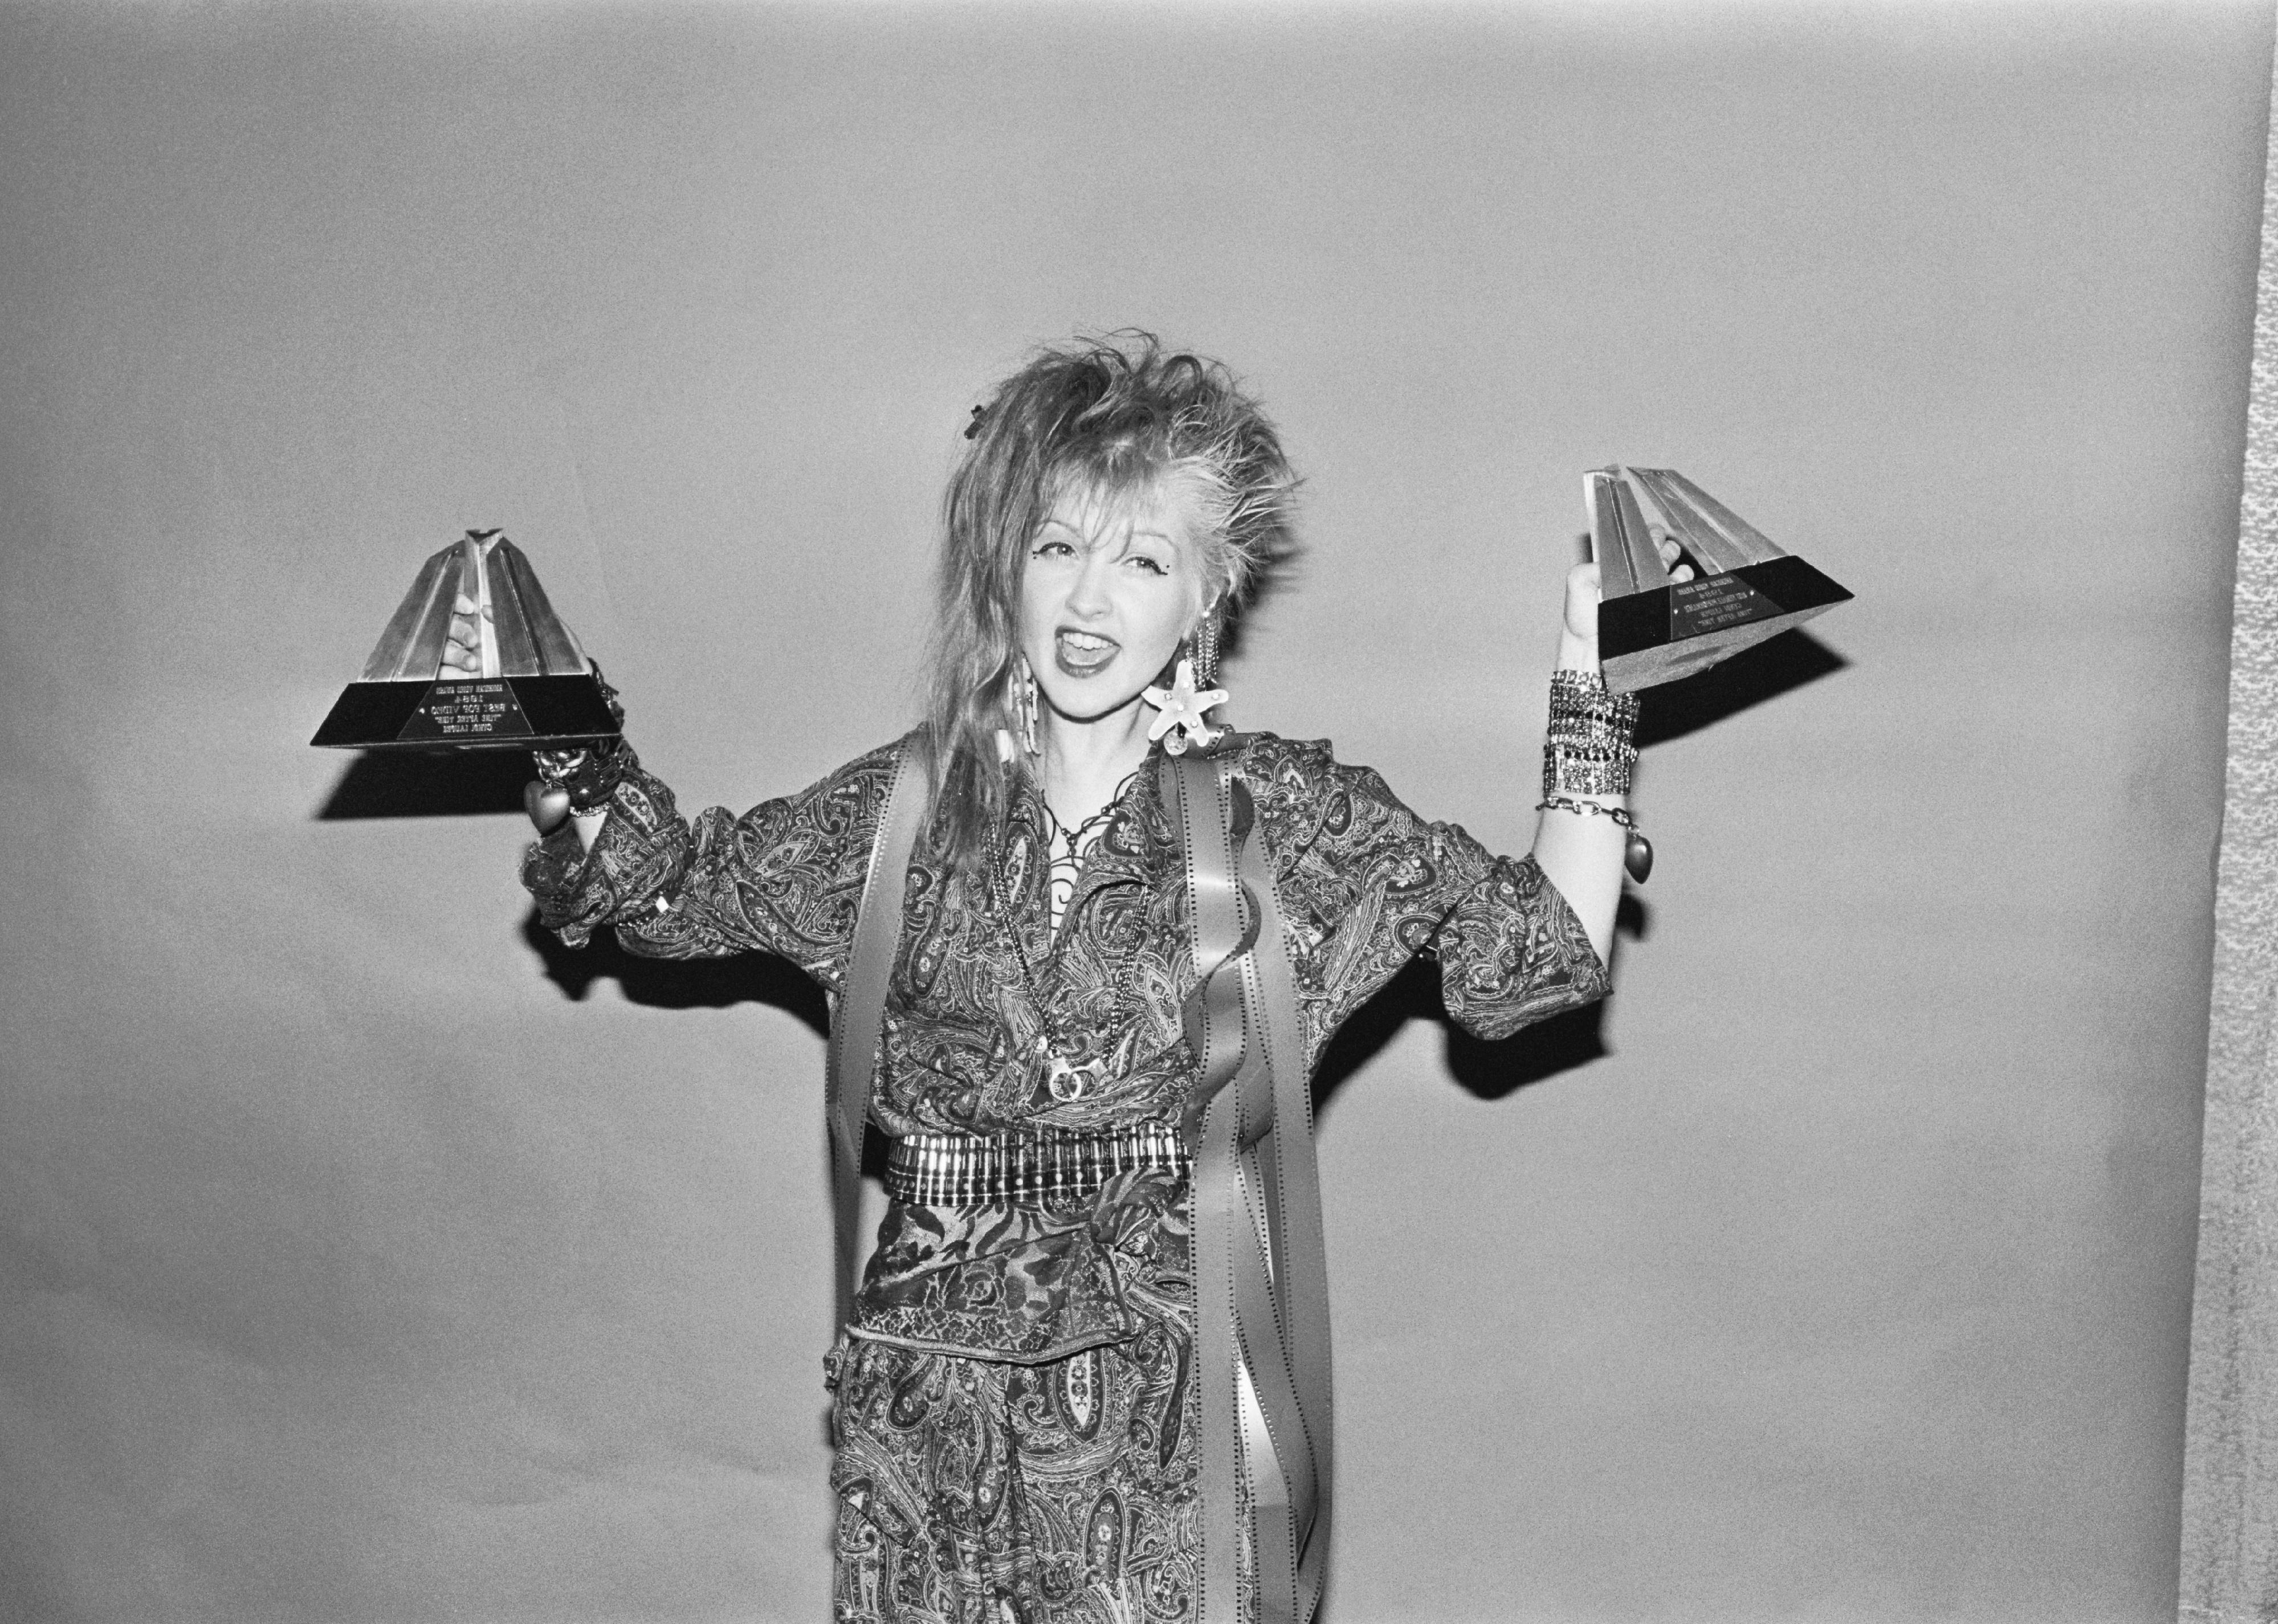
1577 637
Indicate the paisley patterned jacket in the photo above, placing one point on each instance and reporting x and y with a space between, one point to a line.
1364 884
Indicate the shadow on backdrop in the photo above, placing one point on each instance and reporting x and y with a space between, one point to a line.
1771 668
399 784
678 983
1496 1069
1488 1069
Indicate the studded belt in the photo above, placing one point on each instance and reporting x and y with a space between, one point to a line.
952 1169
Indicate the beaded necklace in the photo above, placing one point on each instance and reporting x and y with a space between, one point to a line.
1065 851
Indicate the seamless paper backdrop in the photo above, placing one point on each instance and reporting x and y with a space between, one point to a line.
364 1256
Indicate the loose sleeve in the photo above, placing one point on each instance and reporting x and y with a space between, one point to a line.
785 878
1366 884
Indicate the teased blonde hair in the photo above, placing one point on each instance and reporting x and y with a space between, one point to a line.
1117 416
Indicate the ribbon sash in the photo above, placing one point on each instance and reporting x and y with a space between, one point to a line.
1261 1278
860 1018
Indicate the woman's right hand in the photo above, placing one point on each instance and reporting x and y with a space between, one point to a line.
463 648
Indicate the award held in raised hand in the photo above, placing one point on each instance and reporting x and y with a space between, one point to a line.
535 690
1654 628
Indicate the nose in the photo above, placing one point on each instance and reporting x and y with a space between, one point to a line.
1088 595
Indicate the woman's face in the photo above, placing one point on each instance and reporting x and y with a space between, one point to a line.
1108 591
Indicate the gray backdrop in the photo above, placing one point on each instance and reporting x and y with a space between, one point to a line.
363 1257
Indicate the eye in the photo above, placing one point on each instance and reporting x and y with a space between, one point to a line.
1148 565
1052 548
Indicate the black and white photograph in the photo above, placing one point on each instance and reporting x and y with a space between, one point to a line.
1138 811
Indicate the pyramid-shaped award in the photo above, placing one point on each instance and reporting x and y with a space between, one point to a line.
536 691
1652 630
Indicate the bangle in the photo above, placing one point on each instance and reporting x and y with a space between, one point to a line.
1637 851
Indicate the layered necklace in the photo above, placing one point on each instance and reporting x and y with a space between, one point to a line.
1065 851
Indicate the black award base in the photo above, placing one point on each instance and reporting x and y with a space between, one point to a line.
494 713
1664 633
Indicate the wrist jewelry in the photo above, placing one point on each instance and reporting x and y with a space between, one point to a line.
1637 851
578 781
588 776
1590 745
572 782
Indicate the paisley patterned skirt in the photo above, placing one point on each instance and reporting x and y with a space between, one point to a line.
973 1491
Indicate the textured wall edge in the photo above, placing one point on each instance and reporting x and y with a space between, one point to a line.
2229 1569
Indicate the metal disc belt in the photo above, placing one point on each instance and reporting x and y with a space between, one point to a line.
1046 1168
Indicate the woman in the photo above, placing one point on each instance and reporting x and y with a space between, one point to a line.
1026 1420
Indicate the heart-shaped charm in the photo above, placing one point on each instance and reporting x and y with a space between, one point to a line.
547 805
1637 856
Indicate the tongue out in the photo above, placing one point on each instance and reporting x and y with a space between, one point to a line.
1080 653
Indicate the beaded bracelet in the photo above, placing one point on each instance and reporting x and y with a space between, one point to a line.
1589 748
1563 771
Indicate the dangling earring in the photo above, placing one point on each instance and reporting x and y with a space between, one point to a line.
1024 705
1183 705
1205 645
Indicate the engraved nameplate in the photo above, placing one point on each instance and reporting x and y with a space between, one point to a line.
1713 603
467 714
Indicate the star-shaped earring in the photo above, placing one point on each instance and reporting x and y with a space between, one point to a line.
1181 709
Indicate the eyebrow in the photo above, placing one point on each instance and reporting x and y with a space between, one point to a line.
1062 524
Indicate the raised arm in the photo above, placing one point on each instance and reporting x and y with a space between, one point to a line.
1366 884
1581 852
783 878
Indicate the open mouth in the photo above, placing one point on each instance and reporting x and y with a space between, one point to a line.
1082 653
